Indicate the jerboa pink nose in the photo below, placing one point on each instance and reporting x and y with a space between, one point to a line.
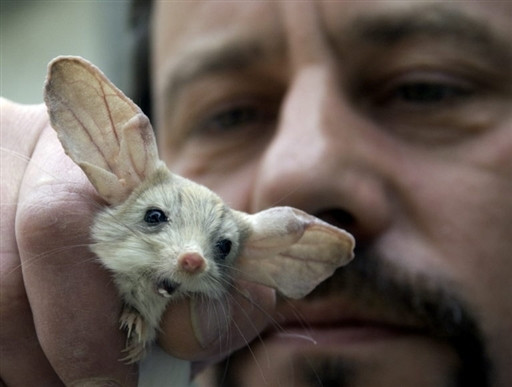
191 262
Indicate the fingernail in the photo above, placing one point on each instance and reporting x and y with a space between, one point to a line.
95 382
210 320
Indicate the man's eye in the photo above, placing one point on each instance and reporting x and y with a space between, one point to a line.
234 118
425 92
422 90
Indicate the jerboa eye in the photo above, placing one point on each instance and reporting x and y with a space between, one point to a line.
155 216
223 247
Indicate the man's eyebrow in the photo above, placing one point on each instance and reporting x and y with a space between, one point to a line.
433 21
213 57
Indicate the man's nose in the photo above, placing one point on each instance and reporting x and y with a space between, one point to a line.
324 158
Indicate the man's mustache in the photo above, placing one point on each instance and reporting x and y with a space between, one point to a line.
373 280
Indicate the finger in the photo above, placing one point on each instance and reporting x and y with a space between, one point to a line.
20 348
74 303
201 329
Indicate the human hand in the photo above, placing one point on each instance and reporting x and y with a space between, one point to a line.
60 309
108 136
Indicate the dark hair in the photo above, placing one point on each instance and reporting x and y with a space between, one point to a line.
140 15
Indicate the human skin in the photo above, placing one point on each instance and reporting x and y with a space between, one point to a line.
390 119
59 308
50 282
395 173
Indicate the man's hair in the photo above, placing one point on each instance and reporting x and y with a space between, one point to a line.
140 16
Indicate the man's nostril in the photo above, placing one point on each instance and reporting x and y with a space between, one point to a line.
337 217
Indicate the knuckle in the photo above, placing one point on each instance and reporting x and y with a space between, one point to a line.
54 215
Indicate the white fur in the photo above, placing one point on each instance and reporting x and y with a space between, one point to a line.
114 144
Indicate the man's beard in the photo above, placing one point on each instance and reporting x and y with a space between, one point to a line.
370 280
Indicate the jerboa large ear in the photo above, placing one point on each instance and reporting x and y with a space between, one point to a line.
100 128
292 251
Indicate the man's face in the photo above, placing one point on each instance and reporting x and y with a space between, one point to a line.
390 119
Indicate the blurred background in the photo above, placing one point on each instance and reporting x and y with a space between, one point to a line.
32 32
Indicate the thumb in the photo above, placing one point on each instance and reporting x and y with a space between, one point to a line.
207 330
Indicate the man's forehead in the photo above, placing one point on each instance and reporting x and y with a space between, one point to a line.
184 20
182 26
185 26
193 38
